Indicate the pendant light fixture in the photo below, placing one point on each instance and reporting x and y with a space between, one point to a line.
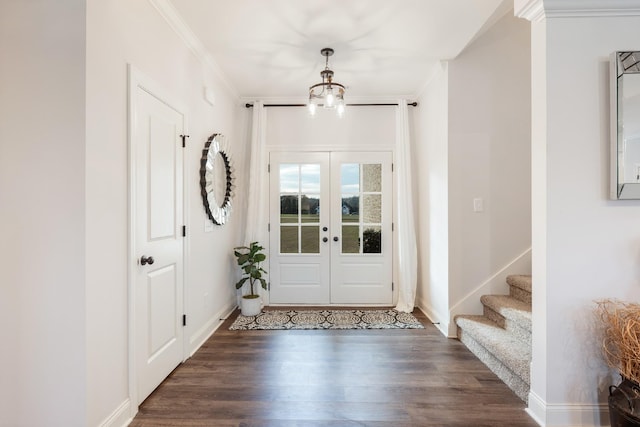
327 94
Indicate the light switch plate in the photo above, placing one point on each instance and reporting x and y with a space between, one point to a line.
478 204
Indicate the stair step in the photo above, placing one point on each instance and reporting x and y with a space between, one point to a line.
506 355
520 287
509 313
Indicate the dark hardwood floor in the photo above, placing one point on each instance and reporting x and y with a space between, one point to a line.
332 378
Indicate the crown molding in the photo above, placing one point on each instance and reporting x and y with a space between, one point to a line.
532 10
175 21
538 10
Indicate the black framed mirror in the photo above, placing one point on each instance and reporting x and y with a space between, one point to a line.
216 179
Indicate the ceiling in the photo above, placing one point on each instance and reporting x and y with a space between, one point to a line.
383 48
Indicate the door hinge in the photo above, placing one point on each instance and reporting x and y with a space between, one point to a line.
184 140
269 228
268 286
391 167
393 226
268 167
392 286
184 231
184 320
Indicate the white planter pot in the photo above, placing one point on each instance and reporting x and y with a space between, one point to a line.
250 306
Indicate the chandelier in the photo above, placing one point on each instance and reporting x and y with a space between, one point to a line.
327 94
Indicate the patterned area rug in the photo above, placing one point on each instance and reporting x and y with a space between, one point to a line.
327 319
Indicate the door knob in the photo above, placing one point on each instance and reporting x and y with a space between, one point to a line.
146 260
325 239
324 228
335 238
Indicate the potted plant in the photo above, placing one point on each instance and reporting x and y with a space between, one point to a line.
249 259
621 349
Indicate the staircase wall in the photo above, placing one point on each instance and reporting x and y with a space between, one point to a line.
474 144
496 284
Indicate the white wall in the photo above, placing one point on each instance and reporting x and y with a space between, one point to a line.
134 32
539 184
430 153
592 244
484 152
360 128
42 202
489 154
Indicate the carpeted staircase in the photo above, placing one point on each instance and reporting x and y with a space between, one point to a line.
501 338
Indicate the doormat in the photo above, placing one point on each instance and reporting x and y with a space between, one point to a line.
326 319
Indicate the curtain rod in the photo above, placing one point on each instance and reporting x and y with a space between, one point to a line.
413 104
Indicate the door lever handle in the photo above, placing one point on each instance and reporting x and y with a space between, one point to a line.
146 260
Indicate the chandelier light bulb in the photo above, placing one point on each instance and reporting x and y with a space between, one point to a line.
330 98
323 93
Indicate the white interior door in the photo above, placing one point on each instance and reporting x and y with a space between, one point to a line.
330 222
158 245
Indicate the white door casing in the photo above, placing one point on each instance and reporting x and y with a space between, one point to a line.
333 245
157 211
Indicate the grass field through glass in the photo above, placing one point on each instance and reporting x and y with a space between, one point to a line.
289 234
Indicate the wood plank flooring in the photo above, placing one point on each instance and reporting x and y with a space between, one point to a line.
396 378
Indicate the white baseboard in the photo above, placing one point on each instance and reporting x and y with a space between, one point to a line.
496 284
537 409
205 331
121 417
439 321
567 415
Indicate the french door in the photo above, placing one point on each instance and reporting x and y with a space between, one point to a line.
330 222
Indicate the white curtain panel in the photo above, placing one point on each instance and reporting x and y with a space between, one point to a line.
407 252
258 180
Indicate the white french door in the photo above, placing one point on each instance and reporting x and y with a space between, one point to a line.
330 222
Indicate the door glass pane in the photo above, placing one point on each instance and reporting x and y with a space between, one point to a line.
350 208
289 178
310 208
372 208
350 239
372 240
372 178
350 178
310 239
288 209
310 178
289 239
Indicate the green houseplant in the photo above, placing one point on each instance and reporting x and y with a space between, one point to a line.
249 259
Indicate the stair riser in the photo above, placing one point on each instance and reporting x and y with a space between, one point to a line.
512 380
520 294
511 326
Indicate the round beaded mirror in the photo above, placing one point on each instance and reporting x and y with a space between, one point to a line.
216 179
